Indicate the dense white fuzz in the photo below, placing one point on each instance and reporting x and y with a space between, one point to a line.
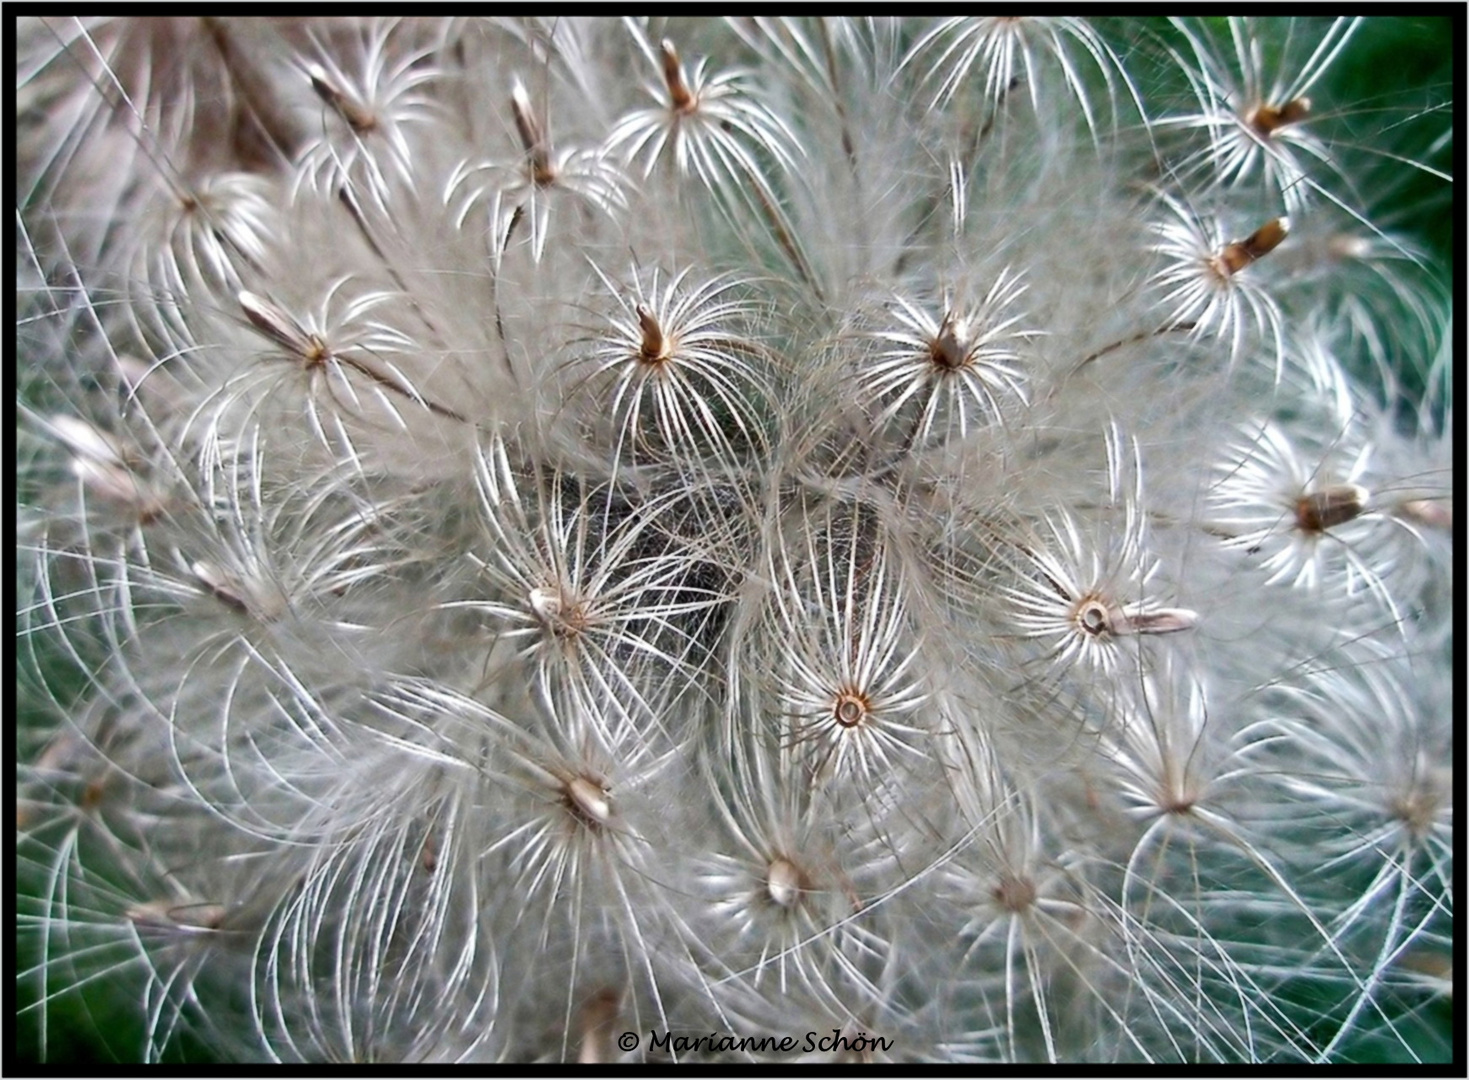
1207 285
636 540
685 378
1302 516
951 368
1256 113
707 124
1010 55
850 681
375 108
528 187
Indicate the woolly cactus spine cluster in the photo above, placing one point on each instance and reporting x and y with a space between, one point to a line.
537 531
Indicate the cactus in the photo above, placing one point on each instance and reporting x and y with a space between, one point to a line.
581 540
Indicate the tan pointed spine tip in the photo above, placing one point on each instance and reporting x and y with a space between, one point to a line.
1435 513
359 119
225 587
783 882
1332 506
655 345
161 915
588 801
1156 621
950 349
1014 893
1266 120
1241 253
532 138
275 324
680 97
